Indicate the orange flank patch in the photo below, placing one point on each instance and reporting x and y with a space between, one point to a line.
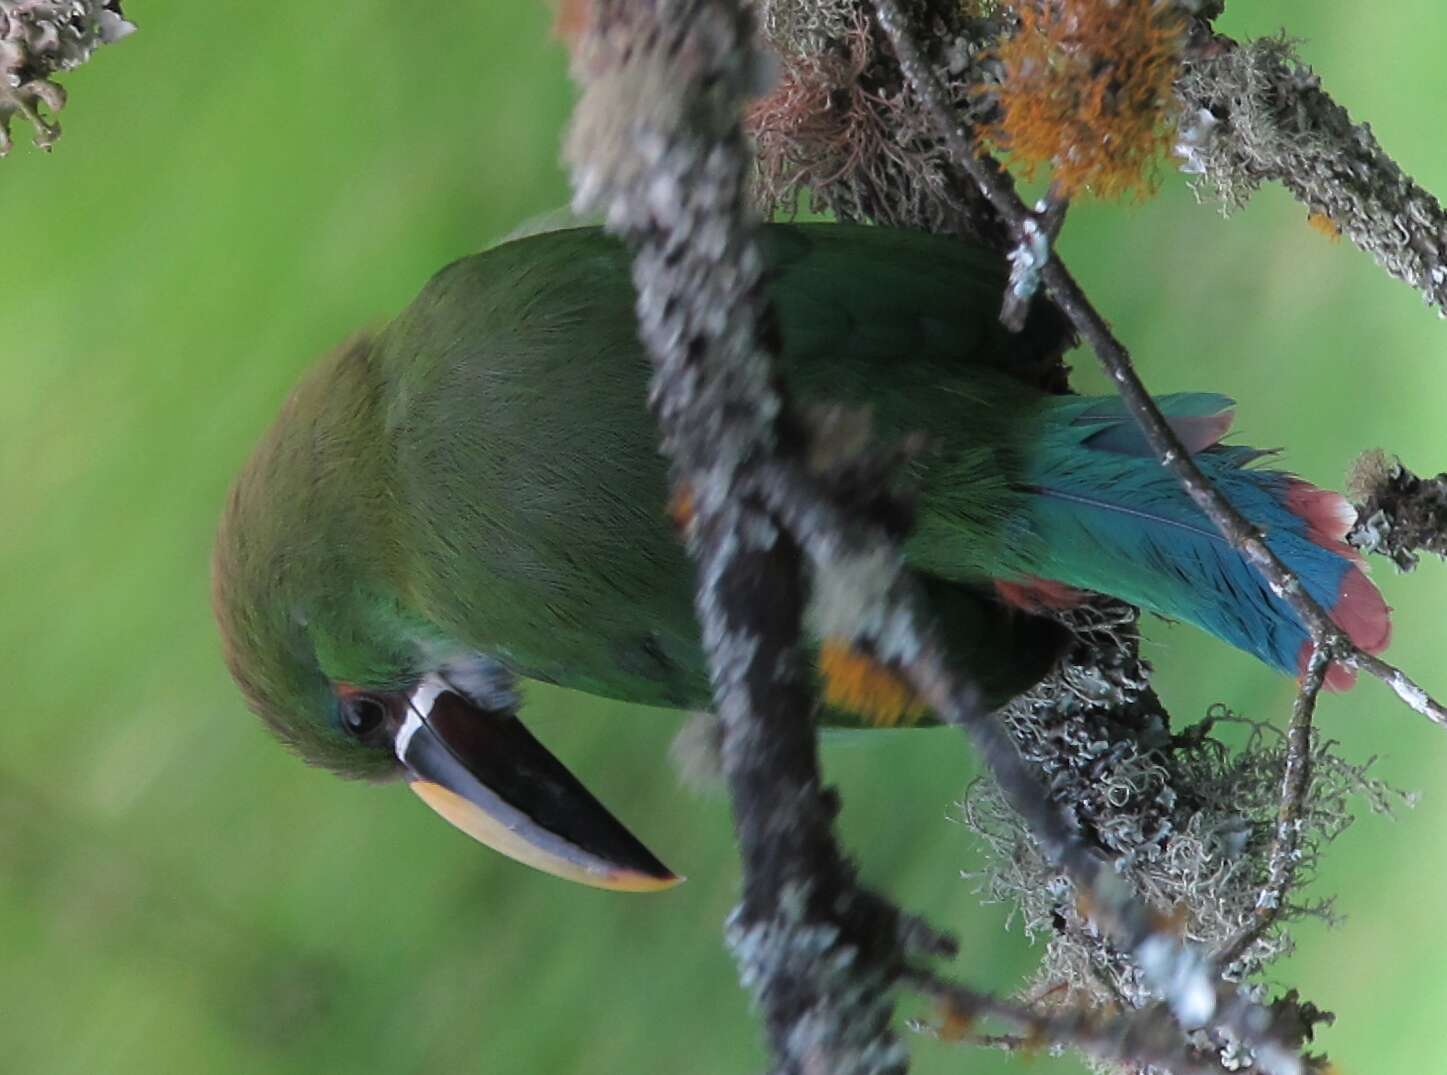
857 683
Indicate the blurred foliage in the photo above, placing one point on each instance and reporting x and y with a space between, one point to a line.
233 195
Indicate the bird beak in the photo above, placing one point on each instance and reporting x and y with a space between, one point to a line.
484 772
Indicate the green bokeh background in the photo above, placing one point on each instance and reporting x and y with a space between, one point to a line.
241 186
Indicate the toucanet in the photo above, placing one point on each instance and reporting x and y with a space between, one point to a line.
474 496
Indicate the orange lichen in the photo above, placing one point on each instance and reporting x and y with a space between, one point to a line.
1085 91
857 683
1324 224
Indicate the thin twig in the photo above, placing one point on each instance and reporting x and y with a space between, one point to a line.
1286 843
1138 1038
1062 287
1025 261
887 615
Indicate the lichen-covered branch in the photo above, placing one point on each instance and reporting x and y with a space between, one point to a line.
1187 822
1398 514
657 145
1133 1041
39 39
1253 112
1286 842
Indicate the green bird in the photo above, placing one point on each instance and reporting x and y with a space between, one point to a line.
475 496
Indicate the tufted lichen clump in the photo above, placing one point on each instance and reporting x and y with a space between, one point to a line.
1188 820
38 39
1399 514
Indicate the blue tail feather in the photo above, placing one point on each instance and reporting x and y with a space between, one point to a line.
1111 519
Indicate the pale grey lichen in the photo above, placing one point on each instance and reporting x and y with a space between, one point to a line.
806 26
852 591
1186 822
40 38
845 1028
1181 975
1193 136
1027 259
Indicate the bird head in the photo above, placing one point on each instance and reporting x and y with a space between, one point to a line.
347 677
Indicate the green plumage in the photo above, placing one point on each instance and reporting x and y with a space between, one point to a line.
529 469
483 477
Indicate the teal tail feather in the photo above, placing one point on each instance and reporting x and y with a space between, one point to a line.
1112 520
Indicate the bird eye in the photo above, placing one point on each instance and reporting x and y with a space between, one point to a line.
362 714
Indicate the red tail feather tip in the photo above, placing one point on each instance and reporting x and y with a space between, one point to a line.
1036 594
1202 432
1359 608
1363 614
1329 516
